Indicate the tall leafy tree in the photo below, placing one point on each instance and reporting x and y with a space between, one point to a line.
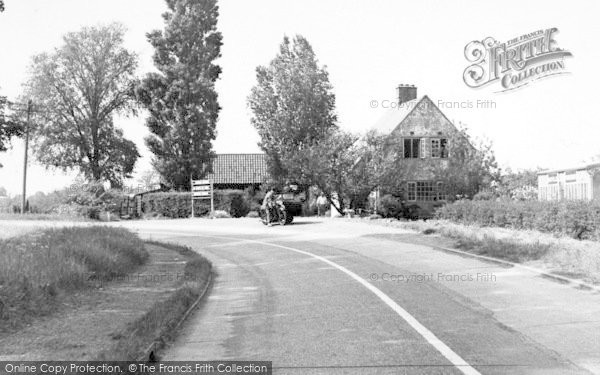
78 88
293 107
9 126
181 98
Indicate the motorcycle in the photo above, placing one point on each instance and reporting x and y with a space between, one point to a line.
279 214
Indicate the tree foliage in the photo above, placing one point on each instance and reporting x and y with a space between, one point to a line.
293 108
1 6
471 167
181 98
327 164
9 126
77 89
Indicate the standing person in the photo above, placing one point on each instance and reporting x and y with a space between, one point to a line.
268 203
321 205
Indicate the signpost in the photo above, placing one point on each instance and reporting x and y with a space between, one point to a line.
203 189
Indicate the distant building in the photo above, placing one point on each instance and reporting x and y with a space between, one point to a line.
423 136
238 171
576 183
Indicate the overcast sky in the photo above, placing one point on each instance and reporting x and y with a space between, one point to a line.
368 47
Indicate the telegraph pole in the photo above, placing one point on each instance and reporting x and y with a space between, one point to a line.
24 193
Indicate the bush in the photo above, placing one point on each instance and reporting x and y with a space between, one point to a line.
576 219
390 206
82 199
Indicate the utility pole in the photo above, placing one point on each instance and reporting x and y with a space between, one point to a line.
24 192
192 191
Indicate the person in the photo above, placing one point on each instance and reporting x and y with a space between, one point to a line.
268 204
321 205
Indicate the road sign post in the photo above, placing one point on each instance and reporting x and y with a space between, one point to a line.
202 189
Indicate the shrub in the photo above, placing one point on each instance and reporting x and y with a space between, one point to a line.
390 206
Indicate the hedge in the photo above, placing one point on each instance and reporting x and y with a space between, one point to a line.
177 204
577 219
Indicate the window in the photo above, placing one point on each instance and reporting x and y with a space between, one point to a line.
411 148
412 191
425 191
423 148
436 150
443 148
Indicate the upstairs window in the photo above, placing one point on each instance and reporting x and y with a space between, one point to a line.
411 148
444 148
436 148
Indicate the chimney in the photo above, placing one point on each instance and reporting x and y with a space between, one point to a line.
406 93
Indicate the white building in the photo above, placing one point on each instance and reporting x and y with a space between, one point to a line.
576 183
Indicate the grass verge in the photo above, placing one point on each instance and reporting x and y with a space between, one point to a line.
159 323
110 317
37 269
560 255
42 217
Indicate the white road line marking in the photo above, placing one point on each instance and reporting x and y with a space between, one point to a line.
432 339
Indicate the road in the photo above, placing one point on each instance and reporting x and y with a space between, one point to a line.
335 297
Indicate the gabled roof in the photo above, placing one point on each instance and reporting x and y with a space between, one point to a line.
394 116
572 168
239 169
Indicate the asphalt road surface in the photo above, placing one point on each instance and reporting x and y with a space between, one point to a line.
334 297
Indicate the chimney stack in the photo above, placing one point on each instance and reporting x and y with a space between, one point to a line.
406 93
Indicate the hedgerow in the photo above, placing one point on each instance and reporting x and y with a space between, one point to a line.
178 204
576 219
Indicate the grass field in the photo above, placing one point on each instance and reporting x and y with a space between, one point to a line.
39 267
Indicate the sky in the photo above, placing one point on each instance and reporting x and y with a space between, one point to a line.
368 48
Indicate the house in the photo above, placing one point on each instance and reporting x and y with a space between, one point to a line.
423 136
580 182
238 171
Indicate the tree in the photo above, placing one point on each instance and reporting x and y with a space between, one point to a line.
327 164
80 87
148 180
9 126
1 6
181 99
293 107
469 169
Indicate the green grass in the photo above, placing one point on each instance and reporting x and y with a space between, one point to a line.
36 269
